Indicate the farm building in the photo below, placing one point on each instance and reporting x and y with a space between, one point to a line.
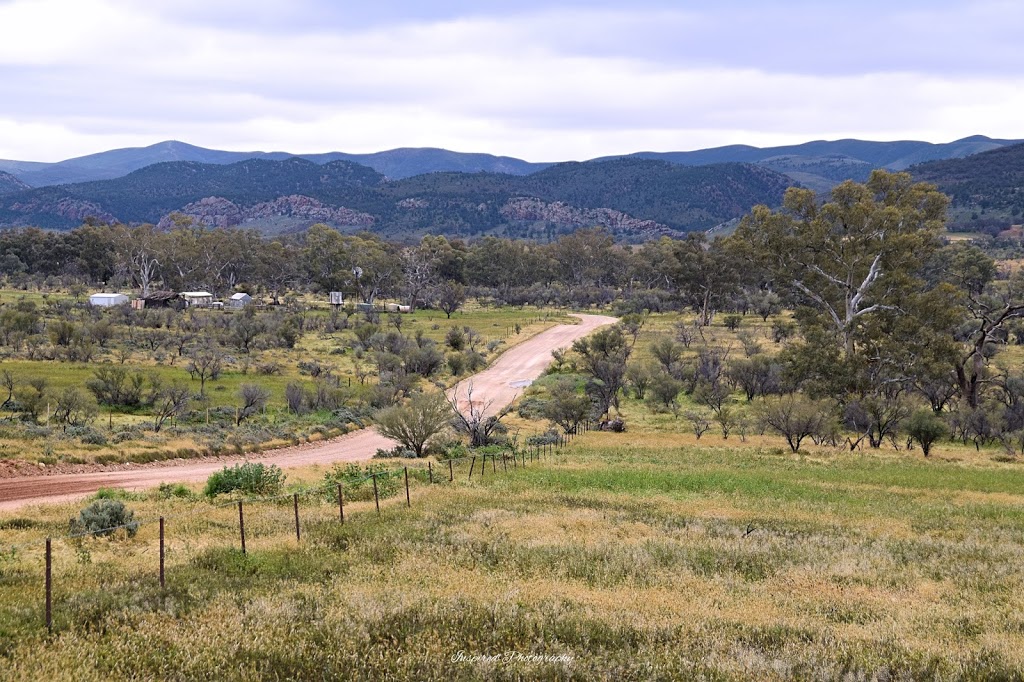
160 299
107 300
239 300
197 299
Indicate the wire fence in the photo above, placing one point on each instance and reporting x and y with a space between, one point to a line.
247 524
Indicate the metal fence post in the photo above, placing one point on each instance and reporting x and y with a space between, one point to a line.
162 552
376 498
472 465
298 532
241 525
408 501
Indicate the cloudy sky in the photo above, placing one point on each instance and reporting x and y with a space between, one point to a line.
565 79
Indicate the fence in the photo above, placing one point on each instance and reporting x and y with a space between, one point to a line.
445 471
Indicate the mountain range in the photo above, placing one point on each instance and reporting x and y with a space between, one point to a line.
414 191
635 198
818 164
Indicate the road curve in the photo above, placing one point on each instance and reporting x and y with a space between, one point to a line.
492 389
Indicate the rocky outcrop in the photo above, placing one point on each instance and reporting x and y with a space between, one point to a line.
529 209
72 209
219 212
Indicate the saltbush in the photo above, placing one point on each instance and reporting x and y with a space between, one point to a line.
103 517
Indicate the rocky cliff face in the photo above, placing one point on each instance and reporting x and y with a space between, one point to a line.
219 212
528 209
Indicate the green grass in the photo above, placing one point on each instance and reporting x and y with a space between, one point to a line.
636 556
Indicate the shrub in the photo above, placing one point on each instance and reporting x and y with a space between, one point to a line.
252 478
357 481
926 427
166 491
103 517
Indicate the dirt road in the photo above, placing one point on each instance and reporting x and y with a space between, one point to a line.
492 389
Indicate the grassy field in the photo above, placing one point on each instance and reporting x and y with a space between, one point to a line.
641 555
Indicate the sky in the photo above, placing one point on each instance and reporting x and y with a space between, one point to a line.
543 81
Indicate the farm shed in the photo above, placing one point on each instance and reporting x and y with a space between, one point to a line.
160 299
197 299
239 300
107 300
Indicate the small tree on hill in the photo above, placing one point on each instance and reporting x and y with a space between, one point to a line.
925 427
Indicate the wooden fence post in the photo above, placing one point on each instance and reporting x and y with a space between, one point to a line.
451 472
162 585
341 504
430 472
49 587
241 525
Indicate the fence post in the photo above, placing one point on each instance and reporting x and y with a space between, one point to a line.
298 532
162 552
376 499
494 465
341 504
430 472
504 462
472 464
241 525
49 587
408 501
451 472
483 465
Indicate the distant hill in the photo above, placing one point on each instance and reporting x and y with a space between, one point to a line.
10 183
820 164
395 164
635 198
987 189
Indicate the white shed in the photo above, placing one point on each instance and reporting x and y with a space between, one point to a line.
239 300
107 300
197 299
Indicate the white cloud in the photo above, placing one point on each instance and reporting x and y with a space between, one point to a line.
82 76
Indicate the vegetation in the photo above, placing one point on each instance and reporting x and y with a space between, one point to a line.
251 478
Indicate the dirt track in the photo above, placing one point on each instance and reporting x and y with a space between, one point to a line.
493 388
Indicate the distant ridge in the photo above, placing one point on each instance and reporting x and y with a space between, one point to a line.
635 199
819 164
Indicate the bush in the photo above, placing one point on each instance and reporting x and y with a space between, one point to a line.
166 491
252 478
103 517
357 483
926 427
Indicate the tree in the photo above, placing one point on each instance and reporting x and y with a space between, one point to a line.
167 402
477 419
854 256
795 417
205 364
418 422
604 355
566 406
73 408
450 296
925 427
254 398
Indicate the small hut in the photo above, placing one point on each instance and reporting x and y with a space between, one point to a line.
239 300
197 299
